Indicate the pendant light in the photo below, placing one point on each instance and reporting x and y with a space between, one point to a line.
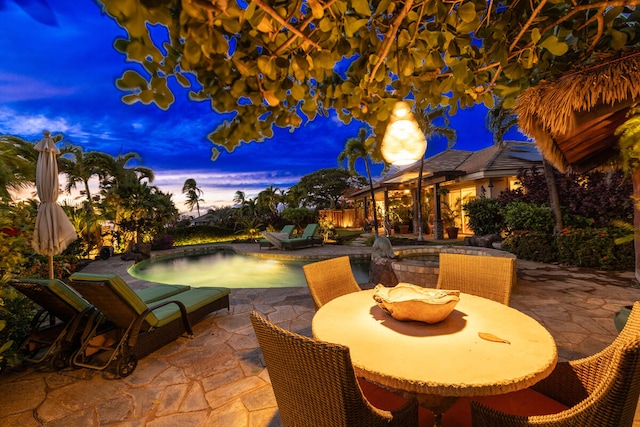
403 142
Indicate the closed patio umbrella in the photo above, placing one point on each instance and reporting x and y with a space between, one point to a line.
53 230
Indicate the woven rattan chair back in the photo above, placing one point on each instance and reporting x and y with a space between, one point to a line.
315 385
600 390
485 276
330 279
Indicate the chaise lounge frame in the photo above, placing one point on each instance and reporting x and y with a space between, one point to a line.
55 329
134 335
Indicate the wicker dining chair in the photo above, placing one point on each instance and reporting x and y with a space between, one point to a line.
329 279
597 391
485 276
315 385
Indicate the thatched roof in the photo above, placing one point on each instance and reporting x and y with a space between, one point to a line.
572 119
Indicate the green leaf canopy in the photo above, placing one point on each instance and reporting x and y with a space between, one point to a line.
279 63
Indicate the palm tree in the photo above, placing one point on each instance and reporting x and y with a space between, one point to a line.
368 150
116 170
426 120
18 160
239 198
79 167
269 199
193 192
295 197
145 210
118 182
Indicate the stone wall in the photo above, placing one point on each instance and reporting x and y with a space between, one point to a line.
425 273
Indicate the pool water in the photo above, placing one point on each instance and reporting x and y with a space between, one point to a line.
231 270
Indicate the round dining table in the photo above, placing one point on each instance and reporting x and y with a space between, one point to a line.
481 348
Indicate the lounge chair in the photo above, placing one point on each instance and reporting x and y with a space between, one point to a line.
329 279
287 229
139 328
56 329
484 276
307 239
315 385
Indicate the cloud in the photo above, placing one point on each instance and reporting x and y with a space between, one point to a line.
14 88
15 123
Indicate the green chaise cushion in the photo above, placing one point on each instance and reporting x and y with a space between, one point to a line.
193 299
307 234
118 285
148 295
63 291
158 292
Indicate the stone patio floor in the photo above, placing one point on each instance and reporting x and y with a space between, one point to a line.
217 378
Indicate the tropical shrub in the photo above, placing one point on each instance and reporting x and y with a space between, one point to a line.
160 243
603 196
327 228
298 216
520 216
248 226
16 311
484 216
595 248
38 266
532 245
198 234
4 347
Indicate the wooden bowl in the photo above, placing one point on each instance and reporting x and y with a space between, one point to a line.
410 302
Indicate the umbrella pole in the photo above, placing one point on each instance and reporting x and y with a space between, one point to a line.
51 267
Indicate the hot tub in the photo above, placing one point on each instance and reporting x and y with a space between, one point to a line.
420 266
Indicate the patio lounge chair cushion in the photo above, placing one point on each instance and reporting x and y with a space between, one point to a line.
158 292
306 239
148 295
287 229
61 290
192 298
489 277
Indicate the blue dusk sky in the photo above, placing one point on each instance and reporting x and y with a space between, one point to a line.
58 70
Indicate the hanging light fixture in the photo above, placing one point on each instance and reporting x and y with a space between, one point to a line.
403 142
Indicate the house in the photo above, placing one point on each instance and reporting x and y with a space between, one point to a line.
451 178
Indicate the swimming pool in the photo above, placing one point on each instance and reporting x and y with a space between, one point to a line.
225 267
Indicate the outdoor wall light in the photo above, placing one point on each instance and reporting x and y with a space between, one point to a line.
403 142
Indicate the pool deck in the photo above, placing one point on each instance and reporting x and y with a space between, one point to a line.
217 378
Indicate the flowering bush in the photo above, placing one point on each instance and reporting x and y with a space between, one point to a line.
532 245
160 243
580 247
38 267
595 248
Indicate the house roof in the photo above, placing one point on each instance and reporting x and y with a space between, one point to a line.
573 118
461 165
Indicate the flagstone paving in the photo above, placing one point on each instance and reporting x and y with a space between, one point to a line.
217 378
